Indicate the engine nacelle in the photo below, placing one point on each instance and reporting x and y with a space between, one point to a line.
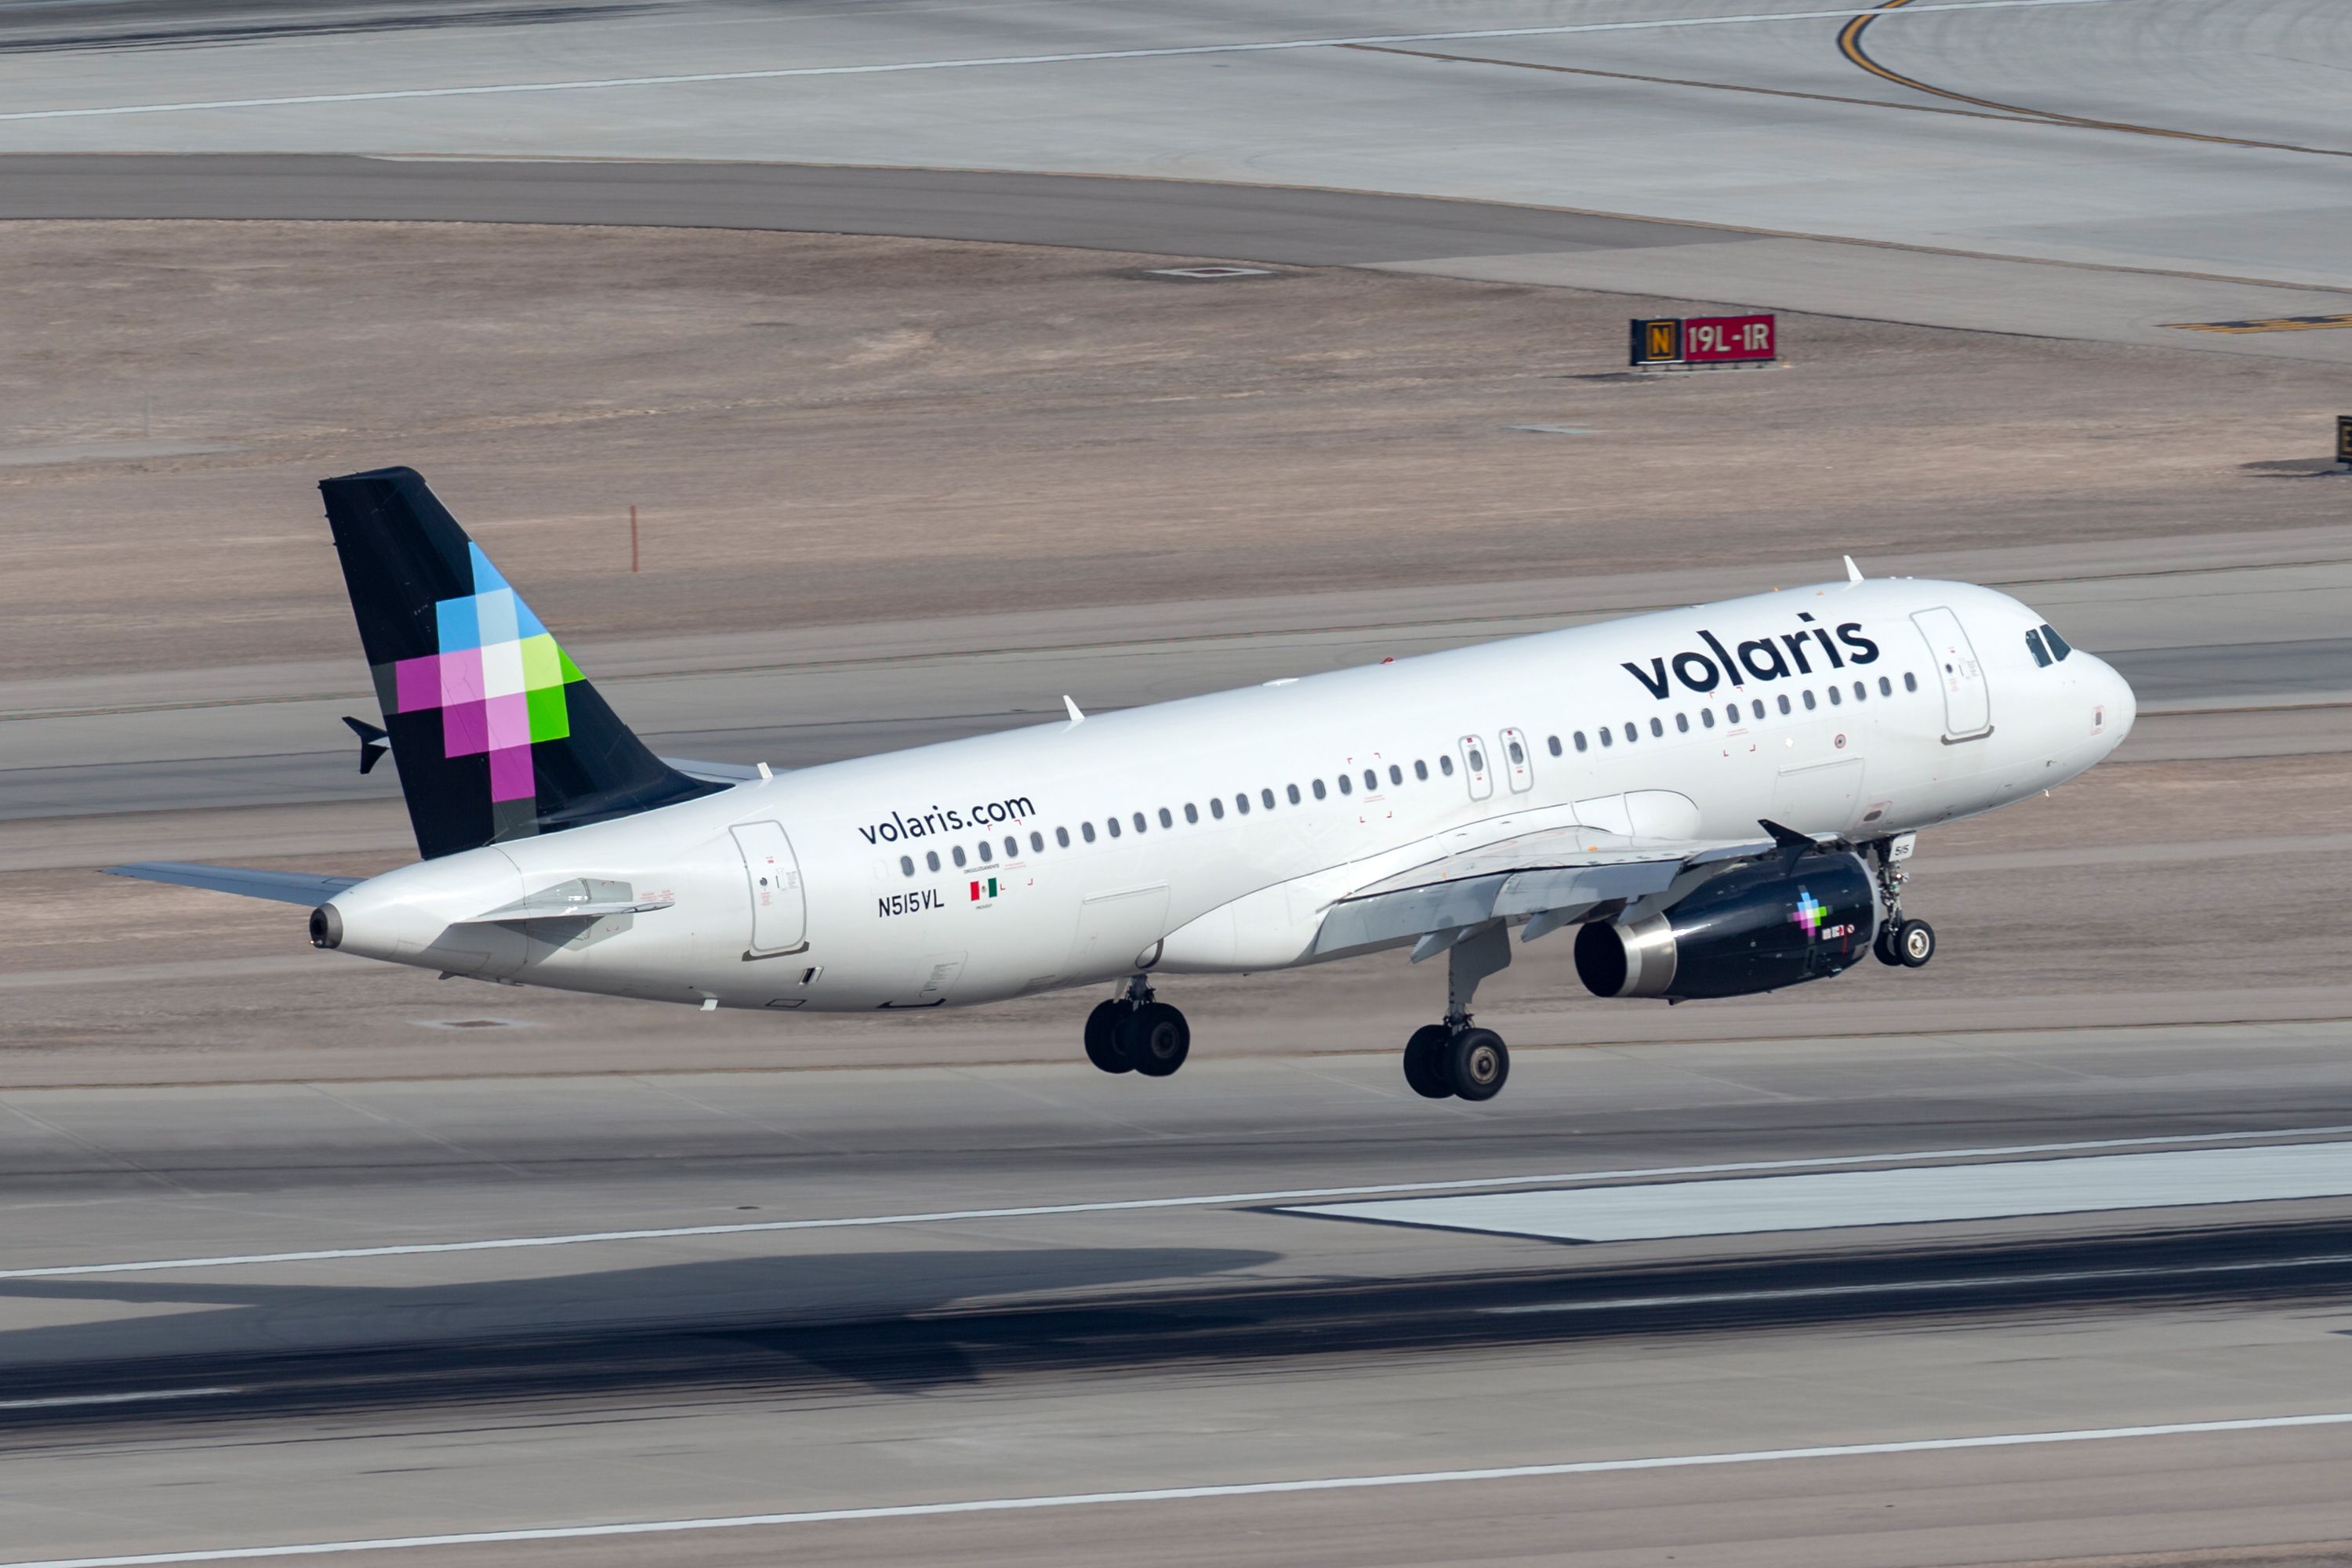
1753 927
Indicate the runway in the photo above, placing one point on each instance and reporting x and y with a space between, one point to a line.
879 1363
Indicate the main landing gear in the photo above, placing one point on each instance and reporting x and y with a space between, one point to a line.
1134 1034
1452 1060
1909 943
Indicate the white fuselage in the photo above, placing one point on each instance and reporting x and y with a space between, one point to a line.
877 872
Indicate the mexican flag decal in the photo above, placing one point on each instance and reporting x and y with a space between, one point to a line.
984 892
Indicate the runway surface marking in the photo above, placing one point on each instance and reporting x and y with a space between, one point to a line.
139 1397
1169 52
1929 1195
1906 1286
1294 1195
1849 45
1187 1494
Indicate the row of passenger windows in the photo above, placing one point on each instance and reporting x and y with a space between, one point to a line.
985 852
1731 713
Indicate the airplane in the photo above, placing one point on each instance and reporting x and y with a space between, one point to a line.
1712 802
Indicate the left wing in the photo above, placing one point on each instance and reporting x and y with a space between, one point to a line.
1548 877
285 886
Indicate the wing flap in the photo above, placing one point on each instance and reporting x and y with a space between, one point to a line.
1555 875
284 887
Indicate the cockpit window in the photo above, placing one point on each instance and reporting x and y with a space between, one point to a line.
2059 647
2033 645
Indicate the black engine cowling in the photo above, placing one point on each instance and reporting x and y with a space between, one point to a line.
1756 927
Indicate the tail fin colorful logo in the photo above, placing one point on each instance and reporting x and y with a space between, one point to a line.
497 681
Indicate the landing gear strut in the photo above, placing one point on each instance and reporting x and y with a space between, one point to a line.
1133 1033
1453 1059
1909 943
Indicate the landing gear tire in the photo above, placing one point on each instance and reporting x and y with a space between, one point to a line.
1424 1062
1478 1064
1155 1039
1915 944
1102 1036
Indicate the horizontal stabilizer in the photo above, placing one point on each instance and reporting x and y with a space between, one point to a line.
582 899
285 886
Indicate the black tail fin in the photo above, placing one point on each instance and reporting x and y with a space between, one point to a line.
496 732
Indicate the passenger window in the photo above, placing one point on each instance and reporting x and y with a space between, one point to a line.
931 858
906 864
1396 774
1607 736
986 852
1758 704
1519 754
956 854
1809 703
1861 691
1166 817
1580 741
1682 722
1420 771
1316 786
1087 831
1477 760
1347 784
1836 697
1265 798
1111 823
1707 716
1191 812
1372 780
1553 741
2033 645
1445 765
1292 790
1910 681
1217 807
1657 725
2059 647
1241 803
1632 733
1036 844
1784 702
1140 823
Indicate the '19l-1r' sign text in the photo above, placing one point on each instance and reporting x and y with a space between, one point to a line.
1703 339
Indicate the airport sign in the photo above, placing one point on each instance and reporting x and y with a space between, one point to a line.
1686 342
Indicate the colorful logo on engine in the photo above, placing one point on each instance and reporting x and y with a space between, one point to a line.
498 679
1808 913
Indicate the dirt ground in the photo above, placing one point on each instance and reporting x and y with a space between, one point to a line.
822 430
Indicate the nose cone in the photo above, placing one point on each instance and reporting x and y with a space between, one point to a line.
2121 703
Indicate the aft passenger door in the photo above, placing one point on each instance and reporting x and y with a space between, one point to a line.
1476 770
1968 701
778 909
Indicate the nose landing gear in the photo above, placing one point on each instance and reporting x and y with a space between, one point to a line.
1133 1033
1909 943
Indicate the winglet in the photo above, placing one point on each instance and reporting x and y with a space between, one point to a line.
371 742
1852 572
1070 704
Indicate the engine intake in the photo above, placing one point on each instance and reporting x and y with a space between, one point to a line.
1754 928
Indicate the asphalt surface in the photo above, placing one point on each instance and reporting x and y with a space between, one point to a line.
1196 1340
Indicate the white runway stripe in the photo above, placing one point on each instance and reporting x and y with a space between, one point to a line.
1213 1200
141 1397
1170 51
1188 1494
